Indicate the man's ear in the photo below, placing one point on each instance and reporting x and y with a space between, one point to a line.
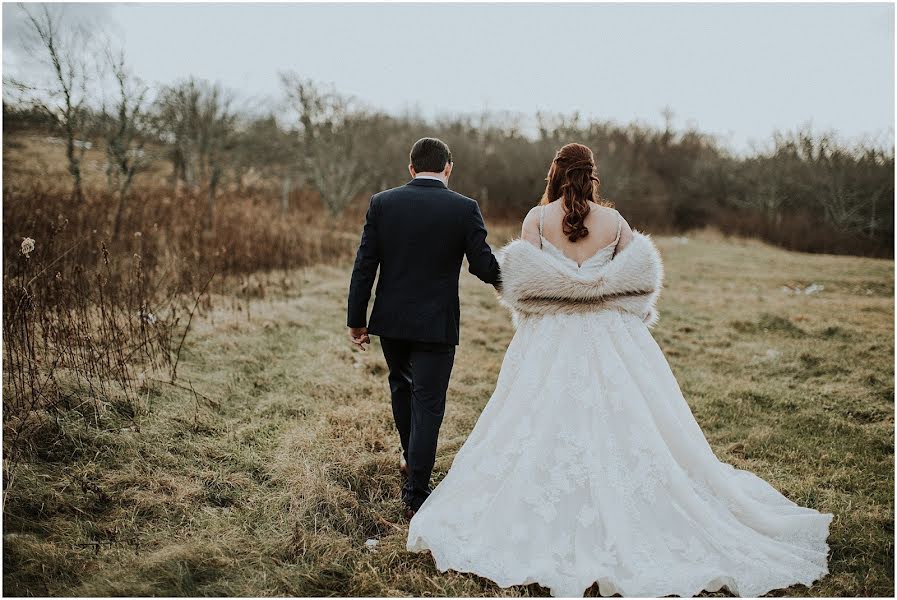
448 170
411 170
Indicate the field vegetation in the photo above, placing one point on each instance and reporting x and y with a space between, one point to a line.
183 416
271 467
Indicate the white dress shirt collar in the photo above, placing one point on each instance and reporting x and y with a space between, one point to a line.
430 177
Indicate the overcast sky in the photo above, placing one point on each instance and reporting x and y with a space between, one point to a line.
738 71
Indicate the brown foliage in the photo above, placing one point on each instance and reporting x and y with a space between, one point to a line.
88 320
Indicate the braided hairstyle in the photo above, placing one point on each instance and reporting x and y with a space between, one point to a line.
572 176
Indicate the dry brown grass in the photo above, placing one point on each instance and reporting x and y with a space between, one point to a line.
91 319
270 482
265 464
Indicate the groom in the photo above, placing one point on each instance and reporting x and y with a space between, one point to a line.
418 234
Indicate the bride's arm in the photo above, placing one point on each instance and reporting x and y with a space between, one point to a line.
530 229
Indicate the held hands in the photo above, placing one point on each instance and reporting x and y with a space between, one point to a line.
359 336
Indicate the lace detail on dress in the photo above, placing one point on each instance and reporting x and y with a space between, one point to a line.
587 465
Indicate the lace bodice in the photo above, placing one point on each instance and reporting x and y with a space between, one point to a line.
598 259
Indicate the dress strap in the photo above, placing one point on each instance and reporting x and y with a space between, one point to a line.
619 230
541 222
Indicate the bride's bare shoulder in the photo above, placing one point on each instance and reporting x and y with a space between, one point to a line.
530 228
625 231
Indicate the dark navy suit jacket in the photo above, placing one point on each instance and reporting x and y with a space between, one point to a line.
418 235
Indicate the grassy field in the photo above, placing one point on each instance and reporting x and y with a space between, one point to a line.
269 478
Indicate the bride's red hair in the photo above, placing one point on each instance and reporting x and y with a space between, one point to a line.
573 177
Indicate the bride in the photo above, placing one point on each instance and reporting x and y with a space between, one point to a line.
587 465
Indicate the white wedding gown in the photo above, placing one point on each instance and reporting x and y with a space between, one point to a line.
587 465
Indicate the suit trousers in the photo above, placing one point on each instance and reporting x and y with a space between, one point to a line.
419 375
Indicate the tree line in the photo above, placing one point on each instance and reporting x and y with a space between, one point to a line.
805 191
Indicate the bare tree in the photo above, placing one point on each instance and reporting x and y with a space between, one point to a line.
177 112
831 179
262 148
329 133
197 119
125 132
64 49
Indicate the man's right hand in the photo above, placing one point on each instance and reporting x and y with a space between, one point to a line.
359 336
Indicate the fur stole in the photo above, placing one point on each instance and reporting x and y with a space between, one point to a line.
536 282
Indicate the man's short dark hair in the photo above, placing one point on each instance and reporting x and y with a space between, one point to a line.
430 155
